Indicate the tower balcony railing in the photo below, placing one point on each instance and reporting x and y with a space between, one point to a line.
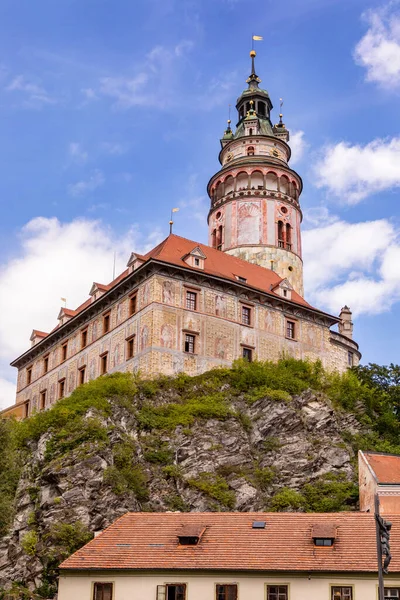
281 244
259 191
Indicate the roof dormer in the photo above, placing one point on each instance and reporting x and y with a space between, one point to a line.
284 288
37 336
190 535
324 534
65 315
134 262
97 290
195 258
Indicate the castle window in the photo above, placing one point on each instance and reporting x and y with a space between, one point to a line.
45 364
350 359
26 409
277 592
104 363
291 330
82 373
261 109
61 389
42 400
341 593
102 591
288 237
191 300
281 243
84 337
251 131
130 347
196 262
106 322
247 354
132 304
219 238
250 150
246 315
226 592
29 376
189 343
64 352
214 238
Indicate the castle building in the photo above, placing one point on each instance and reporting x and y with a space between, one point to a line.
186 306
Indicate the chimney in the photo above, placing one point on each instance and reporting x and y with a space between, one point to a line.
346 324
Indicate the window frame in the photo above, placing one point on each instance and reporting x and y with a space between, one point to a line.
61 388
189 301
95 583
84 337
186 341
130 347
293 322
350 358
46 362
386 590
226 585
64 351
104 363
106 319
29 375
133 304
247 349
332 586
243 309
173 584
26 409
43 397
82 370
277 585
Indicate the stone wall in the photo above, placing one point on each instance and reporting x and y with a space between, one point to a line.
159 327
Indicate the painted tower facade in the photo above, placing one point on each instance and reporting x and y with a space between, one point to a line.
255 211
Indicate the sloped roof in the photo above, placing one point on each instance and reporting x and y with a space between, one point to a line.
386 467
149 541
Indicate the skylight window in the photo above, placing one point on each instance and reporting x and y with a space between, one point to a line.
323 541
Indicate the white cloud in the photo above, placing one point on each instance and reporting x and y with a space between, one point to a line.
77 154
354 172
354 264
126 91
298 146
55 260
80 188
114 148
36 94
379 50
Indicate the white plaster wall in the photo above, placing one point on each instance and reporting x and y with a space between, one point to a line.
202 587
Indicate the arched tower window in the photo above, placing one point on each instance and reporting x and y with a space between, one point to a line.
288 236
250 150
214 238
261 109
251 131
281 242
247 106
271 181
242 181
219 238
241 113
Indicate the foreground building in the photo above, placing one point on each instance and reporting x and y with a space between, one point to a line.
232 556
189 307
379 474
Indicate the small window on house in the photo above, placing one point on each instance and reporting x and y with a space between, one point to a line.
277 592
226 592
284 293
132 305
102 591
82 375
175 591
350 359
323 541
29 376
189 343
196 262
61 388
342 593
247 354
104 363
290 330
43 400
391 593
130 347
84 338
191 300
246 315
106 323
45 364
242 279
64 351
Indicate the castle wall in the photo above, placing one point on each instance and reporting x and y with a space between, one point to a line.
159 327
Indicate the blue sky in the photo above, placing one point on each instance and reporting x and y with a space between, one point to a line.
111 114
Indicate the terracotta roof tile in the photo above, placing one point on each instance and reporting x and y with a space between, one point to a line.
38 333
385 466
149 541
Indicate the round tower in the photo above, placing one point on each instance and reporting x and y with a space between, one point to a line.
255 212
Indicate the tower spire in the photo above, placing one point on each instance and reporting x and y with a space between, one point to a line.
253 80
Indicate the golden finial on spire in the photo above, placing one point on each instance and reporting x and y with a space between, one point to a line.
253 53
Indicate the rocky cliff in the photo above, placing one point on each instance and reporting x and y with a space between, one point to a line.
255 437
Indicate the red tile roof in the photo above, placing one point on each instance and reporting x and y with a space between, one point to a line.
38 333
149 541
385 466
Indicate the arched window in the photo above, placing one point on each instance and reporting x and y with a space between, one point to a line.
218 191
247 106
271 181
257 180
284 185
281 243
242 181
214 238
261 109
251 131
294 190
288 237
241 113
250 150
229 184
219 238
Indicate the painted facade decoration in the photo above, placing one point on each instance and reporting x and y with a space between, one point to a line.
189 307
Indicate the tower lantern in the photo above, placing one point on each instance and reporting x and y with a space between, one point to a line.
255 212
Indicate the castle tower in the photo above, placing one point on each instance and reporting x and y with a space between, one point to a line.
255 212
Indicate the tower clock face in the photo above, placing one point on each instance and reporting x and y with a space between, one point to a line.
229 156
276 153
